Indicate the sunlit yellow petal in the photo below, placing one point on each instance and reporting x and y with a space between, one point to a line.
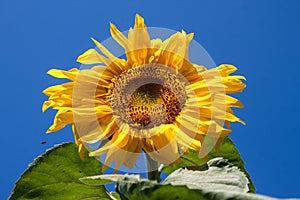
104 50
226 69
61 119
119 37
70 74
91 56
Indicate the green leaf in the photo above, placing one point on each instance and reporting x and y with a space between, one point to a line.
221 181
100 179
55 175
115 195
153 191
227 151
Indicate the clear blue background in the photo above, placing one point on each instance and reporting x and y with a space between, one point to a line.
260 37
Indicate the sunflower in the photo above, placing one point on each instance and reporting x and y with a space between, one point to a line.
155 100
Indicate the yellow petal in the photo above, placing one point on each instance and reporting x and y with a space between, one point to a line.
62 88
119 37
104 50
156 43
46 105
175 50
233 84
97 134
70 74
139 22
78 142
81 151
119 140
226 69
91 56
61 119
233 102
127 156
167 154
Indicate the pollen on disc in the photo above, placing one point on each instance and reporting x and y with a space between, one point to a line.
148 96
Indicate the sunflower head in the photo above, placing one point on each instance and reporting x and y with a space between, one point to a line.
156 100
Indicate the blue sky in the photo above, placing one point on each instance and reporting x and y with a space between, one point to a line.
260 37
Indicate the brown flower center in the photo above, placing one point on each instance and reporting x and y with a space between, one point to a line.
148 96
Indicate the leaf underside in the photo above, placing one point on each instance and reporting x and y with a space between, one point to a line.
221 180
227 151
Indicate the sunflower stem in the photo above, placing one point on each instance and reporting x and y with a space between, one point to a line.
152 167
